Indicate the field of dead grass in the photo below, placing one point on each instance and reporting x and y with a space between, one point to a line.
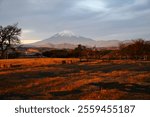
52 78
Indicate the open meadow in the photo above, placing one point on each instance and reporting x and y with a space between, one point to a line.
54 78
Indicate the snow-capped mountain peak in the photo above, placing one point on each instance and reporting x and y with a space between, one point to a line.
66 33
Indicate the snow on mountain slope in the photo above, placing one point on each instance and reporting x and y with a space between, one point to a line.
66 37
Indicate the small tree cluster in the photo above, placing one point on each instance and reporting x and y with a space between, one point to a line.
137 49
57 53
79 52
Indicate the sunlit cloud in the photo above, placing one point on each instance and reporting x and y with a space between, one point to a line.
28 41
28 36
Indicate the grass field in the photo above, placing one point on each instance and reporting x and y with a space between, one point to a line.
52 78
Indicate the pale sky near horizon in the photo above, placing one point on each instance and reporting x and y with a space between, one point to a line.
96 19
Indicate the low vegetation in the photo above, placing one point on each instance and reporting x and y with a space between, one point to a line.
137 49
54 78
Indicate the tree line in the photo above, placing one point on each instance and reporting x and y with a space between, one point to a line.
80 51
136 49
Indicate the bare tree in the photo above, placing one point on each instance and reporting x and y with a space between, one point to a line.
137 49
9 39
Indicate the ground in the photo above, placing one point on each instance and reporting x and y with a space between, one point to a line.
61 79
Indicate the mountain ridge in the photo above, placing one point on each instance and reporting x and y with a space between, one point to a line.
68 39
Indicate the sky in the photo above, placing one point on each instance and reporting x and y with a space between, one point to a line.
96 19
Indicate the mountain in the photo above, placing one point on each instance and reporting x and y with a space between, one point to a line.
67 39
109 43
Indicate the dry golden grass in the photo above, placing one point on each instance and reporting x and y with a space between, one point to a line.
46 78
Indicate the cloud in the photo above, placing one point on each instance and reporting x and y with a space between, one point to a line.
127 10
1 1
27 35
127 35
94 5
26 31
28 41
92 18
